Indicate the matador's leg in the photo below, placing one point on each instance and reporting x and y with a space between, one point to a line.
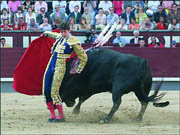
46 90
57 80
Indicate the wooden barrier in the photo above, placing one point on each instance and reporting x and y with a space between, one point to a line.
161 60
18 35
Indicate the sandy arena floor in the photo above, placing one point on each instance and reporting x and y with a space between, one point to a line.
22 114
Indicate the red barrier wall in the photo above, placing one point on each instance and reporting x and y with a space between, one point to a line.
161 60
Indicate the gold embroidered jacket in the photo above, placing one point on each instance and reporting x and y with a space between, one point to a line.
65 47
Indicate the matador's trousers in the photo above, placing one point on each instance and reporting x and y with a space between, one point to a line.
53 77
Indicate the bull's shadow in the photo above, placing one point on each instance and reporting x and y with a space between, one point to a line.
110 71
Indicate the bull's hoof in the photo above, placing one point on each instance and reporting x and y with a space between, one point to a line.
139 119
59 120
51 120
76 111
103 121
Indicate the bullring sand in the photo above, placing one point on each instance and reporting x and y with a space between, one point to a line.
23 114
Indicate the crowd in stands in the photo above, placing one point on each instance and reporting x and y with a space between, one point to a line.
46 15
83 15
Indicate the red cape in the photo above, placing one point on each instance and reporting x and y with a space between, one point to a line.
28 75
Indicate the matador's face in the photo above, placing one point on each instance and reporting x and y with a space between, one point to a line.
65 33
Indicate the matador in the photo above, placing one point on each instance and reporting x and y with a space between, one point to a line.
62 49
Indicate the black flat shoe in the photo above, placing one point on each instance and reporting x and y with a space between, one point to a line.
51 120
59 120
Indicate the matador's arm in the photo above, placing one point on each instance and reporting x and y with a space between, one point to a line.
53 35
81 54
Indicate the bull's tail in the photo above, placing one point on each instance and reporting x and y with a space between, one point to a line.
155 97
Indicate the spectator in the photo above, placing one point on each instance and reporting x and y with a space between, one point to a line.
177 2
72 24
4 44
122 25
88 16
127 3
119 41
3 4
136 38
153 5
155 44
57 23
118 7
111 15
62 5
83 24
173 44
18 15
45 26
76 15
174 25
167 5
93 36
91 5
147 25
26 5
13 5
100 19
40 17
6 26
105 5
157 15
20 25
142 43
174 13
5 16
137 4
40 4
140 16
33 26
49 6
30 15
58 14
72 5
127 15
162 24
133 25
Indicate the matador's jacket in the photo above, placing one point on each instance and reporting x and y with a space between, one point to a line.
56 68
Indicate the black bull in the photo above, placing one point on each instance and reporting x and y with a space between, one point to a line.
110 71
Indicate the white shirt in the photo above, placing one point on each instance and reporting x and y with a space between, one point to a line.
89 5
38 6
153 5
29 17
45 28
100 19
4 5
120 27
136 40
72 4
3 17
62 5
105 5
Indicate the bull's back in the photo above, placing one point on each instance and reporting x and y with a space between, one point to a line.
106 60
106 66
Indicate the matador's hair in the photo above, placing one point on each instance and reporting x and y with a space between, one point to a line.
64 26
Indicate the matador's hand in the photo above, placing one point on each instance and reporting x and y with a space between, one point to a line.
42 35
73 71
